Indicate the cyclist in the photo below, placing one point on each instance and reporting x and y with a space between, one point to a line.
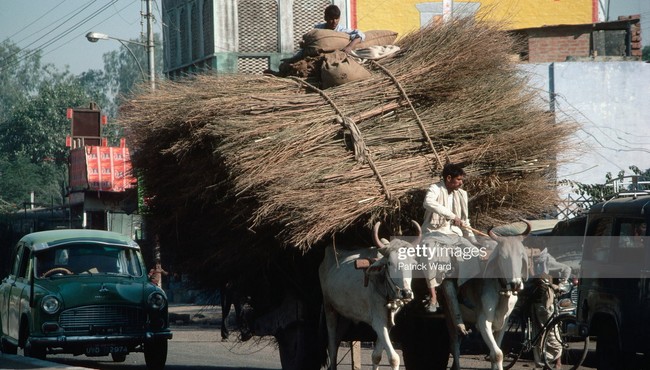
542 298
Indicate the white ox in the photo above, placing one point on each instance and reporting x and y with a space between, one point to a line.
345 294
494 296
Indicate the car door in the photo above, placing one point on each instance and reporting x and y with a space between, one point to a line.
18 287
644 324
8 283
628 254
5 293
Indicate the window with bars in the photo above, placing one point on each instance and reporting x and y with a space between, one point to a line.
306 13
252 65
258 26
208 21
184 27
196 32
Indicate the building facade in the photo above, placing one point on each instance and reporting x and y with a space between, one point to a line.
249 36
404 16
245 36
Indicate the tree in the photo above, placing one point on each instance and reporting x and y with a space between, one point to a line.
123 72
19 177
36 128
19 74
601 192
33 124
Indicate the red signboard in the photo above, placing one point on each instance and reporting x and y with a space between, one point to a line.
101 168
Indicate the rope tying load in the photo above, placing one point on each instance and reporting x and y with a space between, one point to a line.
266 156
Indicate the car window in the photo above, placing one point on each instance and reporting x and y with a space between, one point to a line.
631 233
21 264
598 241
88 259
629 244
15 267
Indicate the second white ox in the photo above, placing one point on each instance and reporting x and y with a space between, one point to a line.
375 303
493 296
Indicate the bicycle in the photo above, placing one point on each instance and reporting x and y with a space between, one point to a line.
561 325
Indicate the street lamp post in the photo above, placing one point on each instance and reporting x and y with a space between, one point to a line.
150 49
96 36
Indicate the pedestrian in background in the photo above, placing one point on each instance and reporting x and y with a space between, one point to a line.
156 273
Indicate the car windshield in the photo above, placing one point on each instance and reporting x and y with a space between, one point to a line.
89 259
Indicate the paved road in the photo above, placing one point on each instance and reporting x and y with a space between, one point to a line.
200 347
197 345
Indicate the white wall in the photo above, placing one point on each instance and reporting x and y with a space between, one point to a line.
611 101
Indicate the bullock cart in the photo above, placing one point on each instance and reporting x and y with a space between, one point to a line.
250 177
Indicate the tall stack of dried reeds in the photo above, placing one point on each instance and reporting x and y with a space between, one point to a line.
278 153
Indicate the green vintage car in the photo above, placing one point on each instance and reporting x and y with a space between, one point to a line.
83 292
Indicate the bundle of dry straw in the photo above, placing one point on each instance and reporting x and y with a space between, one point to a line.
311 163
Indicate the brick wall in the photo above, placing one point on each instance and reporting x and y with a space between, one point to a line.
557 45
635 46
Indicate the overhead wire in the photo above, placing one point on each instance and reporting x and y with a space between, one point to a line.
93 26
77 11
34 21
58 37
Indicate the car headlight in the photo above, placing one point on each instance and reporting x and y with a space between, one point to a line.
50 304
157 301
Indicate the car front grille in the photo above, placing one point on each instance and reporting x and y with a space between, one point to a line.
102 319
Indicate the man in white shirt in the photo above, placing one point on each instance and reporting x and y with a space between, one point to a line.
446 225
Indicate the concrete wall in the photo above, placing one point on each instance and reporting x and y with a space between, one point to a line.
404 16
611 100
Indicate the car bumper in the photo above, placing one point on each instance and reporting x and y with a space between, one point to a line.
63 340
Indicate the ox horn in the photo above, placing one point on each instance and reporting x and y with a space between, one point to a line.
493 235
375 235
529 227
419 229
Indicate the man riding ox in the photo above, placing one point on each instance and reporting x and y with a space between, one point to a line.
372 295
473 293
450 240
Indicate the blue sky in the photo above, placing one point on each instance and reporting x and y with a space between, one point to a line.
58 28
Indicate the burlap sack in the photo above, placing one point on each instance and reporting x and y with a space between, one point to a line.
318 41
338 69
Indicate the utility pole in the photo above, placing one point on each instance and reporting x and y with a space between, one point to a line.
150 47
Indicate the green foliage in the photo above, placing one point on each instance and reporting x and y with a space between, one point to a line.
33 123
125 69
37 128
604 191
18 76
20 176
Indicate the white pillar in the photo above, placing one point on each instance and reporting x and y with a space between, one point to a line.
447 10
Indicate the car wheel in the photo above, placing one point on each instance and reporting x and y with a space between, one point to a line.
608 350
155 354
8 348
118 357
34 351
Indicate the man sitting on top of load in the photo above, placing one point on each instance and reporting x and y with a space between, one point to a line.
332 17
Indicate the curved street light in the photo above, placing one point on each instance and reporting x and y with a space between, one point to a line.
96 36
